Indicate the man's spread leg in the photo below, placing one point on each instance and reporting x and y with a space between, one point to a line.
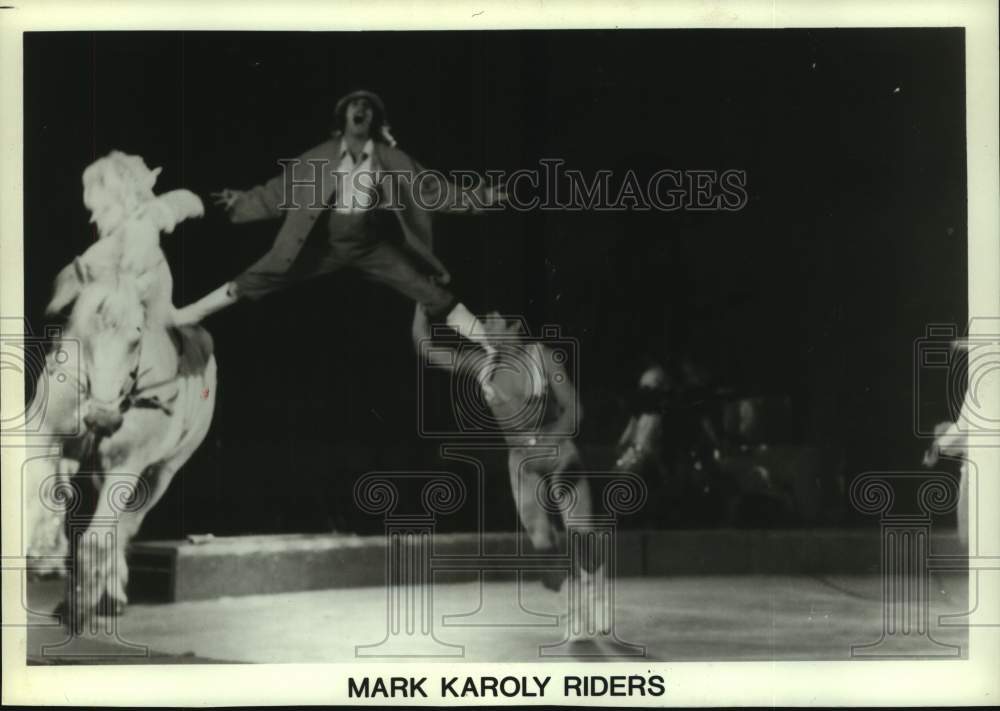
387 264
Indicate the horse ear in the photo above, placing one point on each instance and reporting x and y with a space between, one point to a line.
82 270
66 289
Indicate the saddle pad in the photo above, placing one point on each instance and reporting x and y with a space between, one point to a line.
194 348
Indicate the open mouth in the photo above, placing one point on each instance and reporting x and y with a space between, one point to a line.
360 119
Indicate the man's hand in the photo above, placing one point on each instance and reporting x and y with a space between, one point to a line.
226 198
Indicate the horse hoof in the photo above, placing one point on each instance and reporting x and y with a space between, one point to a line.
69 617
61 611
110 606
553 579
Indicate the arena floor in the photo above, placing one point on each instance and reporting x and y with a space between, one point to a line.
693 618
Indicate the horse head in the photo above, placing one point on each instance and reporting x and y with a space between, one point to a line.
108 321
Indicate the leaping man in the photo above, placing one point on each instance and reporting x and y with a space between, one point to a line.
348 172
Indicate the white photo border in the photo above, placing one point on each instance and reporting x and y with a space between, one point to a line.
955 682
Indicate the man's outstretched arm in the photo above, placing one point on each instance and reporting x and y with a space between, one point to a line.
446 196
226 295
258 203
433 191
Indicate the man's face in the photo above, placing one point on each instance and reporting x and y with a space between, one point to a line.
359 118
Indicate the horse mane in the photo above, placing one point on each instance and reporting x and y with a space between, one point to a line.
107 304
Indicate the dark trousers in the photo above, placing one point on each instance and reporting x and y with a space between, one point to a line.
354 241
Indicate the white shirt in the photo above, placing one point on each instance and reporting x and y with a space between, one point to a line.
349 197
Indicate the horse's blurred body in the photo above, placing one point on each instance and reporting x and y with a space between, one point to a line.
145 390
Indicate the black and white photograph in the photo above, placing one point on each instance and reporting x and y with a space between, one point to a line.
520 350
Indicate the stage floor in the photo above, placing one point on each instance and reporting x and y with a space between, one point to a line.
695 618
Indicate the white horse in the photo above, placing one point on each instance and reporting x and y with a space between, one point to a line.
142 422
148 394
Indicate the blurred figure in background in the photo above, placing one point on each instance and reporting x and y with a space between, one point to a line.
952 438
534 403
672 442
641 445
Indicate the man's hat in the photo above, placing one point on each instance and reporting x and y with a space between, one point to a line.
381 122
374 98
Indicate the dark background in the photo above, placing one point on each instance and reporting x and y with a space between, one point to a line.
853 240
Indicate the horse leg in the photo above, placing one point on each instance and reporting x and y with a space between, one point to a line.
46 484
45 543
113 598
96 556
157 479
